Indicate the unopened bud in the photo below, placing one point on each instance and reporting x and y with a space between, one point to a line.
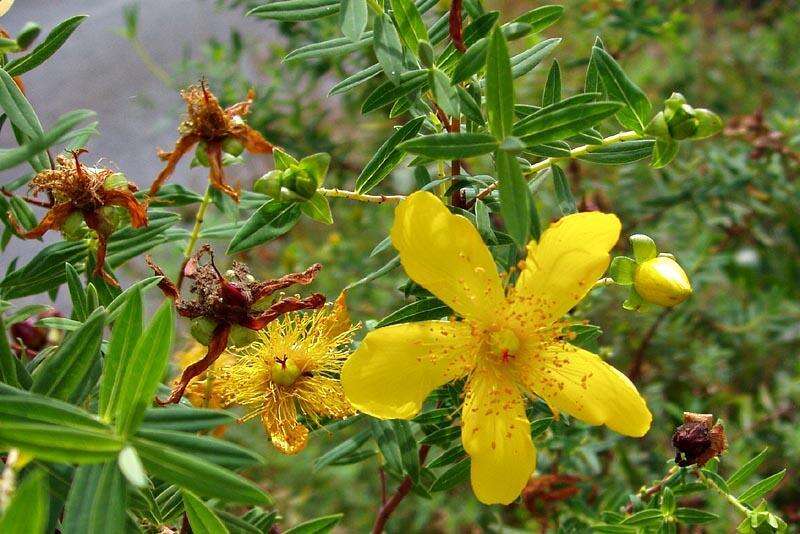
232 146
201 154
202 329
240 336
269 184
662 281
683 123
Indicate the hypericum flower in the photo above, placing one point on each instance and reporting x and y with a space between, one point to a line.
698 439
231 306
5 5
509 346
218 130
661 280
204 390
78 194
292 369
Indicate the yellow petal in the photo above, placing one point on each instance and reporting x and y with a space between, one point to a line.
579 383
497 436
444 254
279 416
395 368
569 258
5 5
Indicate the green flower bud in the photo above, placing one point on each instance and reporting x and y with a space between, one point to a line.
201 154
708 124
241 336
284 372
305 185
73 228
675 101
232 146
426 54
662 281
202 329
658 127
683 123
116 181
269 184
110 219
289 178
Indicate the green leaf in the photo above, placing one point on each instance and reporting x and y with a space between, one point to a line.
96 501
761 488
77 294
566 202
469 106
197 475
387 156
143 368
541 17
201 517
387 46
320 525
354 80
60 443
422 310
345 448
57 37
647 517
664 151
61 374
455 475
130 242
296 10
499 86
514 199
131 467
353 18
384 436
451 145
17 108
442 436
444 94
552 87
388 92
27 511
622 270
471 62
271 220
318 208
747 470
8 361
222 453
620 153
125 334
185 418
526 61
409 451
33 408
636 113
690 516
327 49
562 120
409 23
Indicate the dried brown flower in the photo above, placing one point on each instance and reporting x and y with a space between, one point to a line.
698 439
227 302
73 188
207 121
754 130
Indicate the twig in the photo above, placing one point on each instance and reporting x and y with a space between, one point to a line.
635 370
198 224
391 505
352 195
652 490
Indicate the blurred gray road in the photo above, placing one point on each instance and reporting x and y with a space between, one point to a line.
98 70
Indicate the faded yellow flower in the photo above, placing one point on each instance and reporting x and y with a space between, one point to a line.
509 345
292 370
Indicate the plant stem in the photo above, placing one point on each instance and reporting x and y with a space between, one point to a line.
198 224
710 484
376 7
574 153
154 68
655 488
352 195
390 505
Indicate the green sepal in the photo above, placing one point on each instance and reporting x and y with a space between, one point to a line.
644 248
622 270
634 301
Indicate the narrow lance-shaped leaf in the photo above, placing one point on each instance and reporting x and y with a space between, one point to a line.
201 517
27 511
619 87
57 37
566 202
353 18
409 23
388 48
552 87
499 86
451 145
96 502
514 199
271 220
387 156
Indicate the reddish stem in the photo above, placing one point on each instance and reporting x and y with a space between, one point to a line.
456 26
390 506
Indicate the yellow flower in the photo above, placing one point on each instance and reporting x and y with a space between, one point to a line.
204 389
292 370
5 5
508 346
661 280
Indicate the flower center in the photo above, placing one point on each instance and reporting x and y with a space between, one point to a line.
504 342
284 371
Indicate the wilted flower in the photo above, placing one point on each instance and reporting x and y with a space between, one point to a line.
204 389
30 338
218 130
78 194
292 370
698 439
508 346
231 306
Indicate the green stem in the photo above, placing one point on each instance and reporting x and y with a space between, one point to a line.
352 195
195 235
574 153
710 484
376 7
154 68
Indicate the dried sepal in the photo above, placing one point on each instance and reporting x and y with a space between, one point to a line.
698 440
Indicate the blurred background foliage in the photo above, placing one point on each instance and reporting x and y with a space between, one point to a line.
727 208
